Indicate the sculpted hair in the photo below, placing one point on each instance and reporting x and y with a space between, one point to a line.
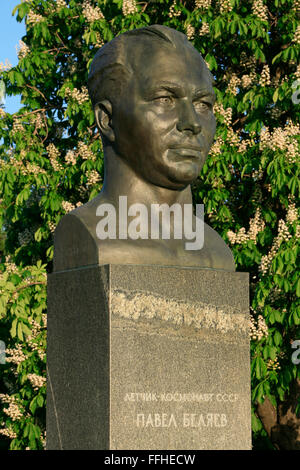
112 65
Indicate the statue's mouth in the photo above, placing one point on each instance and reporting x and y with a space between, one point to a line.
187 152
187 147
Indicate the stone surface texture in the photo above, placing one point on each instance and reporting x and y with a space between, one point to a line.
148 357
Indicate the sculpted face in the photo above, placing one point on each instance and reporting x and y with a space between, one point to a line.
164 125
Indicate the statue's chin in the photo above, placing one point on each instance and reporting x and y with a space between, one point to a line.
176 181
185 173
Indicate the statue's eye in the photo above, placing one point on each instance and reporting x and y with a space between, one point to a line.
203 106
164 99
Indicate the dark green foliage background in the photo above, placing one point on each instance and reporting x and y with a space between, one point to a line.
32 191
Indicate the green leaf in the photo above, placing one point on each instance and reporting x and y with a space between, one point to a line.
298 288
37 432
19 78
13 330
26 330
33 405
40 401
38 235
286 285
275 95
23 9
255 423
277 338
20 332
260 368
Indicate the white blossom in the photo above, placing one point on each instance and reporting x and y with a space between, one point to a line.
260 10
283 235
232 138
67 206
52 226
33 18
60 4
233 84
71 157
258 328
172 12
190 32
256 225
99 41
22 50
296 38
13 411
53 156
225 6
202 4
204 29
281 139
265 76
8 432
297 73
85 152
81 96
225 113
248 79
91 13
292 212
129 7
216 147
15 355
93 178
36 381
273 364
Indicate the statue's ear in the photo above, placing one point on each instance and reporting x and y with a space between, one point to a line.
103 115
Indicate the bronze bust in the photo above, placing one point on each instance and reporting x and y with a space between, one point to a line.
153 100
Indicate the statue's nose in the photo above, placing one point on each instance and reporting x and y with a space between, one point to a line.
188 120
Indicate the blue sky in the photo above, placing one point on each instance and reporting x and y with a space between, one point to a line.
10 33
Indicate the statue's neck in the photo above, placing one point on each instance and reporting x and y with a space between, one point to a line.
121 180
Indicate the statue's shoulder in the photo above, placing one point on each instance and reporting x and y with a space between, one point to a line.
82 216
75 241
222 254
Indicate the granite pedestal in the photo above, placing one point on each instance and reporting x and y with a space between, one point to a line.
148 357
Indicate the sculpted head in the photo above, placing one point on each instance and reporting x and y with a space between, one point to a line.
153 98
